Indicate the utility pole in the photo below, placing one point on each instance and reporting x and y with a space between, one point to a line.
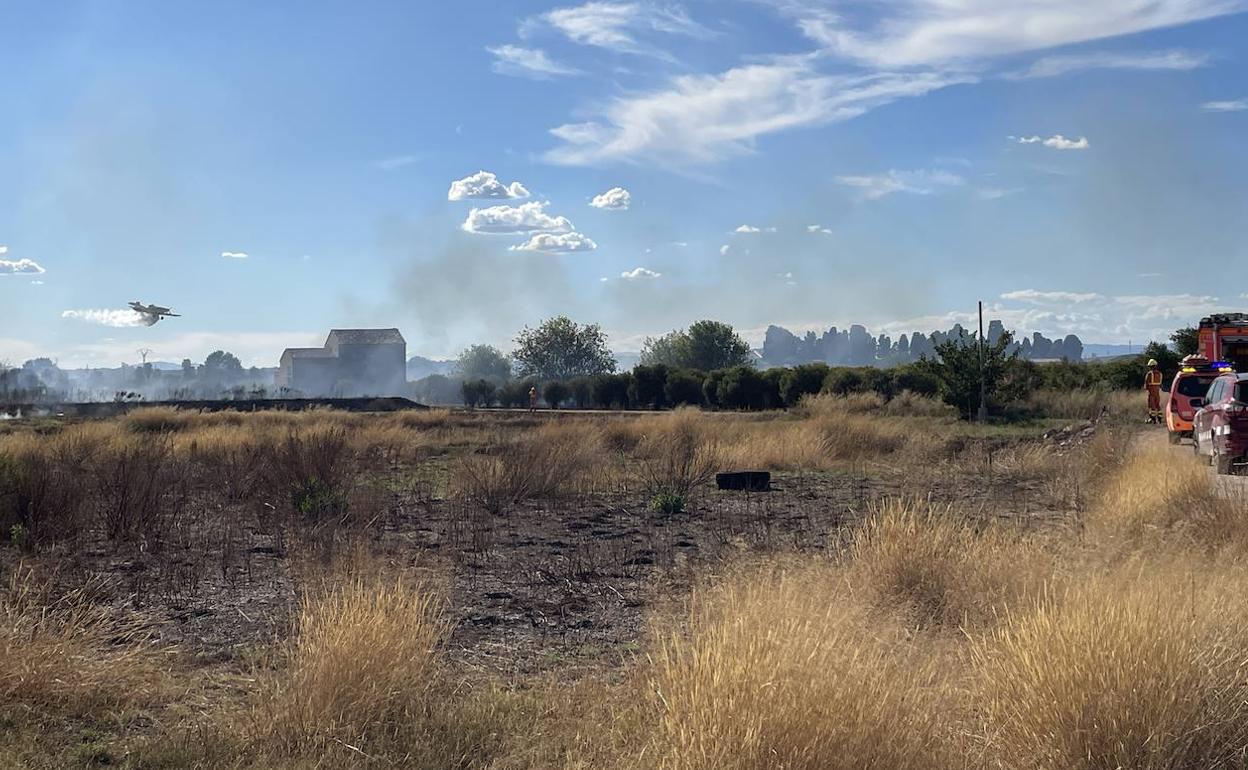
144 352
983 406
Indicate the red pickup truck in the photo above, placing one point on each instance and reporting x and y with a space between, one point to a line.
1220 428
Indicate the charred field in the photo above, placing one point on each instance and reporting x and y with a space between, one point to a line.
497 589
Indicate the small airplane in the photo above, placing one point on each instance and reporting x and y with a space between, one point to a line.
153 313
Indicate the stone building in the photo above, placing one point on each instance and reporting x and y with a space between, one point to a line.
353 362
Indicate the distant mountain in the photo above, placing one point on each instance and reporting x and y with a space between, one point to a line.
419 367
856 346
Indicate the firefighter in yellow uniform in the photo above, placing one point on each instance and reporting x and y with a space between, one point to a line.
1152 383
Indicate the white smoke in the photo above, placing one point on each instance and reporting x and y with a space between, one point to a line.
115 318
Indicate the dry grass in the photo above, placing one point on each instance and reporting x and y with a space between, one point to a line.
550 461
361 668
942 570
1087 404
64 655
1143 669
1155 495
780 669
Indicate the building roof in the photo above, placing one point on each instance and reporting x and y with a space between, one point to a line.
307 353
364 337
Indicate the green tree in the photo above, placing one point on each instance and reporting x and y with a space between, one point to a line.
1186 341
671 349
715 345
582 391
478 392
220 361
483 362
956 367
611 390
560 349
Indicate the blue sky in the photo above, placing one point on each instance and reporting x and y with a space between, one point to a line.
1077 166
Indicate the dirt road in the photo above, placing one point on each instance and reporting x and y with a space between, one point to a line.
1230 487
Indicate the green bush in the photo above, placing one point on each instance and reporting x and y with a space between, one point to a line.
684 387
804 380
842 382
742 387
648 386
667 502
555 393
610 391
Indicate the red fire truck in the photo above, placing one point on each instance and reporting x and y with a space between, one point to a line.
1224 337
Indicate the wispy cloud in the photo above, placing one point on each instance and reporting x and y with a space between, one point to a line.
920 182
1056 142
1053 66
702 118
557 243
617 26
913 33
1232 105
1041 297
818 229
616 198
527 62
525 218
996 193
750 229
484 185
20 267
234 254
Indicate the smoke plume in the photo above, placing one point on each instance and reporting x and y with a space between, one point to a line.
115 318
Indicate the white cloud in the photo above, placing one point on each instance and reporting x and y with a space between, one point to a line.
702 118
1038 297
912 33
20 267
36 283
484 185
557 243
723 250
234 254
615 25
1150 275
920 182
639 272
4 249
1056 142
527 62
1053 66
616 198
115 318
818 229
1235 105
525 218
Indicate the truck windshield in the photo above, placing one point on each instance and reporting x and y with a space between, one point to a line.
1194 387
1241 391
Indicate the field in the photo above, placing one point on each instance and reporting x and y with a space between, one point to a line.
553 590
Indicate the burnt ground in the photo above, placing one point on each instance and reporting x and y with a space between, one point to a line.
558 585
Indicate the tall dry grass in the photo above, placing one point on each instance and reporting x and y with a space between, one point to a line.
361 669
780 668
63 654
1142 668
941 569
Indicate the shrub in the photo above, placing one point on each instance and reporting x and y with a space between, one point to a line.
478 392
741 387
648 386
675 458
710 387
800 381
611 391
840 382
541 464
311 470
913 378
582 390
667 502
772 398
140 488
555 393
683 388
